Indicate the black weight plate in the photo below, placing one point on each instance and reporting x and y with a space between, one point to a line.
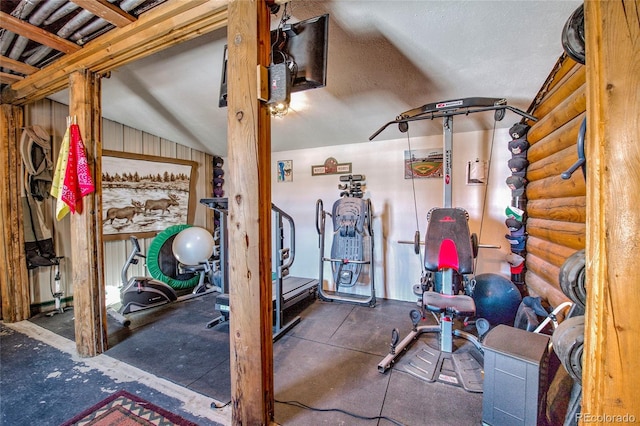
570 273
568 344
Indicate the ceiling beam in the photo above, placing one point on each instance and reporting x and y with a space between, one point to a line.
7 78
107 11
37 34
17 66
169 24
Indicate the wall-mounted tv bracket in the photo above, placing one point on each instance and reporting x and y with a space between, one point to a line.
352 186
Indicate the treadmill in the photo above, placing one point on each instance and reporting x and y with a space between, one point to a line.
288 290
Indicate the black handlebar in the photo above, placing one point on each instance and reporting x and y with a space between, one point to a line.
450 108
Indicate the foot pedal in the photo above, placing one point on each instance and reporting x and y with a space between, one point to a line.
483 326
424 364
469 370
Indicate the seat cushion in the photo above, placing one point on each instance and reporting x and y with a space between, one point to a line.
459 304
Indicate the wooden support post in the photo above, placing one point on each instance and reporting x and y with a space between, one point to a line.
249 141
611 362
86 228
14 279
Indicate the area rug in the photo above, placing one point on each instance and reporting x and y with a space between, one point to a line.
124 409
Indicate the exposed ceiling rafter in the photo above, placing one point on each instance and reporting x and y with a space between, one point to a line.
17 66
166 25
6 78
107 11
34 33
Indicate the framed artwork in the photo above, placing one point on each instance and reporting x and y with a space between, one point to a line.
423 163
143 195
285 170
331 167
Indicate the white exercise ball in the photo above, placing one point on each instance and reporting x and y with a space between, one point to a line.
193 246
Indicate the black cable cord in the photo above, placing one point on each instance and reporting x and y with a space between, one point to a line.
486 190
217 407
339 410
415 202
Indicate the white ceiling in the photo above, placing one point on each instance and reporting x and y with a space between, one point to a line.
384 57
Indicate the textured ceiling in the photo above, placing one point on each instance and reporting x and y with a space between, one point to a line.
384 57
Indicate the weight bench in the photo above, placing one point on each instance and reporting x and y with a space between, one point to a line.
448 260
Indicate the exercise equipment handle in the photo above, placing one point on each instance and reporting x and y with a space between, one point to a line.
426 113
345 261
131 260
320 217
369 216
487 246
292 233
581 158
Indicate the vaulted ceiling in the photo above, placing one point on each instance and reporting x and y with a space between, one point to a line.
384 57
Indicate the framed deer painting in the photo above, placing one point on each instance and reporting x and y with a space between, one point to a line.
143 195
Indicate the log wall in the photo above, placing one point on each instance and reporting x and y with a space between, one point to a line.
556 208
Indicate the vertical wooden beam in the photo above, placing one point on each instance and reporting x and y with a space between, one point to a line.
14 278
86 230
249 134
611 362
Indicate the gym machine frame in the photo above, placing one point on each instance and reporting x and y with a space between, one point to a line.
139 293
446 110
357 299
296 289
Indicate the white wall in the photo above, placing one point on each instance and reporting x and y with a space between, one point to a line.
397 267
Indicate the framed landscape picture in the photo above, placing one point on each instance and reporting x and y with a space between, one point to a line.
143 195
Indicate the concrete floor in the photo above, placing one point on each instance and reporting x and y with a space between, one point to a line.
170 358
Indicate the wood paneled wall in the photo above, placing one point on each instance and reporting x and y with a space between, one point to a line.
117 137
556 208
14 289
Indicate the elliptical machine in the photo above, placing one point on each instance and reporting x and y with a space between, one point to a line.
139 293
142 292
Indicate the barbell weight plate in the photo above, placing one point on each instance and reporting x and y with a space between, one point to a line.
570 276
568 344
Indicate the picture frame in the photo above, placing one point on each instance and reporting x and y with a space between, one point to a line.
285 170
331 167
143 195
423 164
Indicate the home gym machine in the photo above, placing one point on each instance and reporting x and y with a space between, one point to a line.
287 289
352 243
450 249
140 293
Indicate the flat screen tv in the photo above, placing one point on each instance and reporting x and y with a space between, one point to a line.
303 47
